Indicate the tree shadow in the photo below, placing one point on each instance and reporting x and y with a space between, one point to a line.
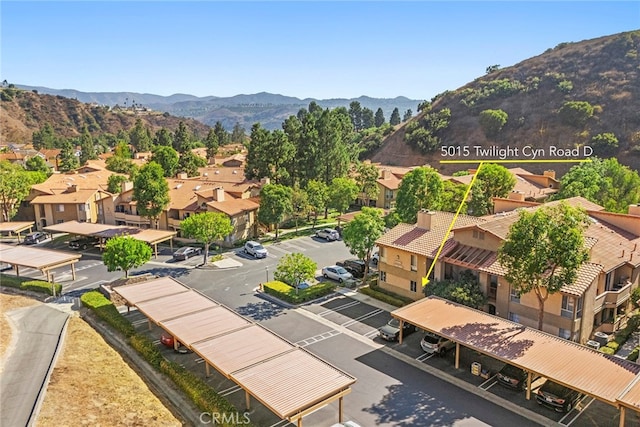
260 311
492 338
161 272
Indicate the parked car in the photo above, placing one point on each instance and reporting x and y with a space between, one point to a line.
510 376
329 234
391 331
335 272
433 343
558 397
167 341
35 237
375 258
82 243
255 249
353 266
186 252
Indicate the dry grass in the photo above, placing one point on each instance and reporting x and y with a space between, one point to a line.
8 303
92 385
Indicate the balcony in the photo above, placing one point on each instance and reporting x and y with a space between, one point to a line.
613 298
130 219
174 223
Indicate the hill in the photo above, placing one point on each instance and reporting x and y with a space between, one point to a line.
269 109
604 73
22 112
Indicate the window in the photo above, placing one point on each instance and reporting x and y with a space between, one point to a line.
567 307
60 221
414 286
515 297
493 286
478 235
59 208
383 276
514 317
414 263
608 281
83 208
578 308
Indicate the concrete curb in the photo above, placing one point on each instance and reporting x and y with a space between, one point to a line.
181 407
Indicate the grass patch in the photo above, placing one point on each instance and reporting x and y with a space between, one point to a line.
28 284
385 296
289 294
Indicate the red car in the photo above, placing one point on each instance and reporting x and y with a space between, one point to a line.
167 341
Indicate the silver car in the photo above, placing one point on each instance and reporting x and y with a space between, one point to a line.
337 273
255 249
328 234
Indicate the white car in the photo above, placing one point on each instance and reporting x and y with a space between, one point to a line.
255 249
328 234
337 273
375 258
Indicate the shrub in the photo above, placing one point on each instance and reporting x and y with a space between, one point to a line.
606 140
106 311
607 350
147 349
28 284
613 346
565 86
385 296
492 121
633 356
287 293
575 113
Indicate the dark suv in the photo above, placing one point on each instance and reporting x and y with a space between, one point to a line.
82 243
558 397
35 237
353 266
512 377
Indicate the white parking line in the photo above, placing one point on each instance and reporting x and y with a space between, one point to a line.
230 390
486 386
371 334
317 338
199 360
295 247
425 356
578 413
363 317
279 249
338 308
139 322
279 423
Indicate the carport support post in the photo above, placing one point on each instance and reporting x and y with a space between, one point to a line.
528 395
175 344
622 415
73 271
340 409
300 422
247 398
207 369
400 335
457 355
149 323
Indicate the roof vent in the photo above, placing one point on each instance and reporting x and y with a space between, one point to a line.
217 172
235 172
197 187
179 185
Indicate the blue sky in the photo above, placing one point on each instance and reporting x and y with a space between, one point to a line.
298 48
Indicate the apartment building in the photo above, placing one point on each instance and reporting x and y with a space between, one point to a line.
597 301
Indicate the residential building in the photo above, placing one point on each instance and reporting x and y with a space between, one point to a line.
597 301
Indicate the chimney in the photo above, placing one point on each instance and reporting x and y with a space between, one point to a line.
126 186
424 219
550 173
182 175
73 188
634 210
516 195
218 194
386 174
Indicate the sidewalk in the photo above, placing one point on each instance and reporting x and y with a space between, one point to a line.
629 345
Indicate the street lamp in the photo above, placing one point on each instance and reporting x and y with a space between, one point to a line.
266 269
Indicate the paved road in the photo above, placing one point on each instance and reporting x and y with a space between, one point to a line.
28 364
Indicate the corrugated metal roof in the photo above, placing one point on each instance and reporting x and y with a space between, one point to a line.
15 226
205 324
243 348
151 289
79 228
150 236
576 366
34 257
631 395
172 306
291 381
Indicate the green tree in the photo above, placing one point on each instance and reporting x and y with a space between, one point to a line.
452 196
294 269
492 122
355 115
275 204
493 180
368 118
395 117
114 183
125 253
342 192
151 191
163 137
367 179
465 290
140 137
317 196
300 203
207 228
122 150
361 233
68 160
605 182
257 160
407 115
212 144
480 203
575 113
221 133
544 250
379 119
190 163
167 158
44 138
37 163
120 165
420 188
15 185
238 134
87 147
182 138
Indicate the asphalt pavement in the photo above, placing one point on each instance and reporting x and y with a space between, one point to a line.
37 336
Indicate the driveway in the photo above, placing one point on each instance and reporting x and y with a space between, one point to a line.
36 337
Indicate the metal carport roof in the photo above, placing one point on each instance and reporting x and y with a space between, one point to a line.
288 380
16 227
41 259
576 366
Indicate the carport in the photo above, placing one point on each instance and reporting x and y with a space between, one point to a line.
40 259
16 227
285 378
106 231
581 368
